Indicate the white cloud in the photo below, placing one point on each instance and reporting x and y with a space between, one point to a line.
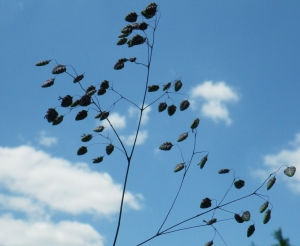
45 140
135 112
35 233
128 140
215 96
53 182
118 121
288 157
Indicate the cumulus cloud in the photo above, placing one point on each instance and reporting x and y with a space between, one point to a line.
135 112
16 232
53 182
46 140
128 140
215 97
118 121
288 157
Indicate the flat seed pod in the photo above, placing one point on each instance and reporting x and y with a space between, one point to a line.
109 149
162 106
178 167
182 137
85 100
119 65
42 63
132 59
239 184
250 230
167 86
238 218
90 93
184 105
78 78
131 17
271 182
81 115
58 120
246 216
166 146
101 91
212 221
177 85
153 88
123 35
75 103
206 203
203 161
122 41
222 171
98 116
136 40
51 115
82 150
267 216
48 83
210 243
127 29
290 171
104 84
150 10
104 115
171 109
195 123
264 207
143 26
59 69
98 159
66 101
99 129
86 137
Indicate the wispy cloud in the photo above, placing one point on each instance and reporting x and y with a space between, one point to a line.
46 140
128 140
289 157
215 97
118 121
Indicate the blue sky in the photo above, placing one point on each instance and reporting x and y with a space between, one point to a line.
239 64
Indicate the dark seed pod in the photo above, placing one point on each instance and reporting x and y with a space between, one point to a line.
153 88
177 85
75 103
109 149
267 216
290 171
131 17
123 35
104 115
48 83
66 101
246 216
81 115
122 41
203 161
239 184
143 26
98 159
166 146
119 65
210 243
78 78
59 69
150 10
195 123
238 218
85 100
86 137
222 171
206 203
184 105
90 90
171 109
136 40
132 59
167 86
51 115
123 60
42 63
162 106
264 207
212 221
98 116
182 137
82 150
127 29
99 129
105 84
271 182
250 230
101 91
58 120
178 167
